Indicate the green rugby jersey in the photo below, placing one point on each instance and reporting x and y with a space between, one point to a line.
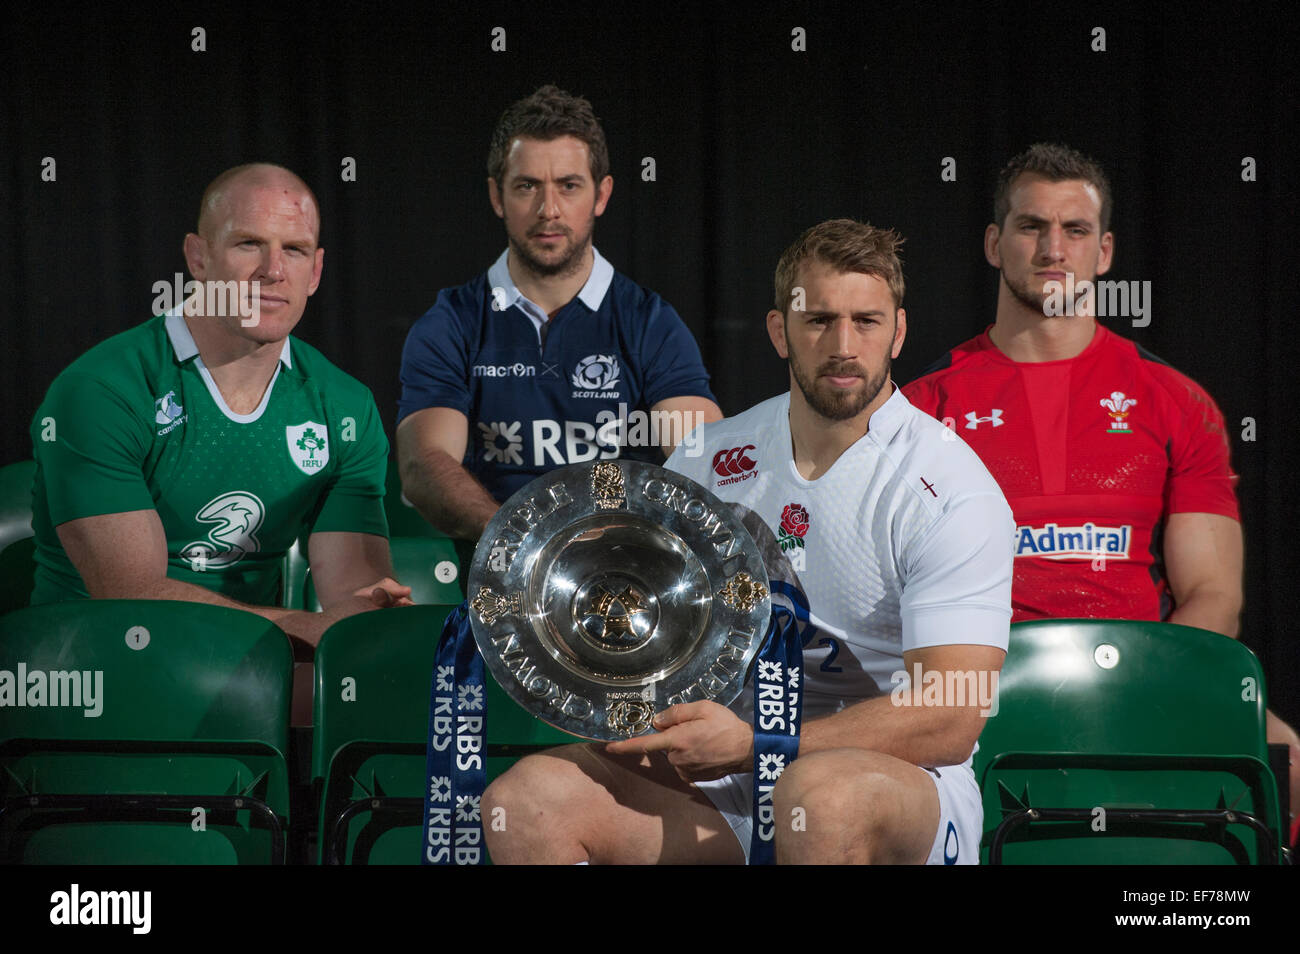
137 422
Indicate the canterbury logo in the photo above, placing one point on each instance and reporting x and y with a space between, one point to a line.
733 461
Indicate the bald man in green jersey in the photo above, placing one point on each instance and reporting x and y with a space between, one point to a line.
182 458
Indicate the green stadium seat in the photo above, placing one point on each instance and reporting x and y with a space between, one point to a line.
1159 726
16 501
405 522
428 566
423 557
294 576
403 519
17 548
373 675
190 710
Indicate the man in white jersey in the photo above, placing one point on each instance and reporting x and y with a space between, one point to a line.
897 540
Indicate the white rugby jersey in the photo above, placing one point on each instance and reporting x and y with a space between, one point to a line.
906 542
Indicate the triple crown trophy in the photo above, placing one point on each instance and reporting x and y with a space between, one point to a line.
603 593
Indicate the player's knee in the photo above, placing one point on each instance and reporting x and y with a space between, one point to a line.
539 810
532 789
534 783
1279 732
842 807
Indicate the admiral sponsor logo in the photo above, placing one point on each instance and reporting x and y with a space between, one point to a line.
77 907
57 688
1054 542
734 464
516 370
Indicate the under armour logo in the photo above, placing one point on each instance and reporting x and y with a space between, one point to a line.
973 421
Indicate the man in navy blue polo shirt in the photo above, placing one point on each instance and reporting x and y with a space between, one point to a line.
551 357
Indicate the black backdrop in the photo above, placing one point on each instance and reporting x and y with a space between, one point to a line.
752 142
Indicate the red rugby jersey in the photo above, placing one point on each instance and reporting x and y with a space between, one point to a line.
1093 454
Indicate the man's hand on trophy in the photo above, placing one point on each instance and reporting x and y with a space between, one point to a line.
703 741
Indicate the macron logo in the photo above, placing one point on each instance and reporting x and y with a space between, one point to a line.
75 906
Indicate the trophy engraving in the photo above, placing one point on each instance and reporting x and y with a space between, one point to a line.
607 485
489 605
605 603
630 717
743 592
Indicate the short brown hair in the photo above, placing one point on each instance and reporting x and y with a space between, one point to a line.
846 246
1055 163
549 114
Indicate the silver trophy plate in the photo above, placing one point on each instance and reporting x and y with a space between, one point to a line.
603 593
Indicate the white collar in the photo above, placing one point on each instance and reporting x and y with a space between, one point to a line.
183 342
185 348
591 295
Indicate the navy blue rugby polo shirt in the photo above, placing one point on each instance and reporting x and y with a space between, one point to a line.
541 394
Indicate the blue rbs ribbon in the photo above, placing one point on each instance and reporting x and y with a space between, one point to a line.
458 731
457 774
778 689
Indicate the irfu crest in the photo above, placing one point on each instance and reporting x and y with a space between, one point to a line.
309 446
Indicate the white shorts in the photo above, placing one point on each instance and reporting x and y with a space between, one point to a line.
961 812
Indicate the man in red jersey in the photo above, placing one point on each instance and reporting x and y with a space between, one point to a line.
1115 465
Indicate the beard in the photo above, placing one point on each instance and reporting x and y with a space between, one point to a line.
838 404
1025 295
563 261
1037 300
